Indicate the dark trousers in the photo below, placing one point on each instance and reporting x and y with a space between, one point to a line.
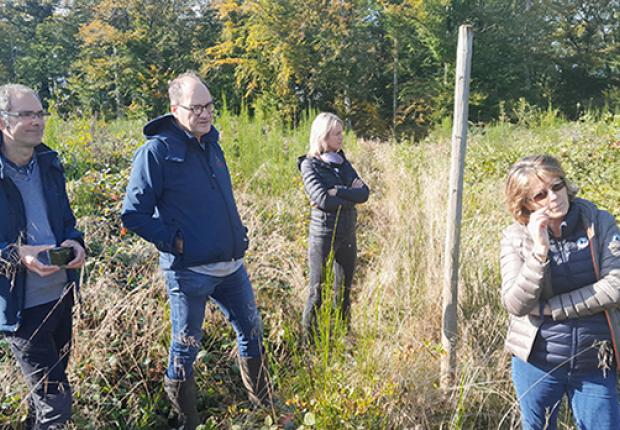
41 347
345 253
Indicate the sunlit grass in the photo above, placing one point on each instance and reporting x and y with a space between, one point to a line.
384 373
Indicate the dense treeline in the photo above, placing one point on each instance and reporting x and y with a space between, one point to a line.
384 65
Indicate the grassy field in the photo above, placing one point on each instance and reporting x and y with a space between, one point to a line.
384 373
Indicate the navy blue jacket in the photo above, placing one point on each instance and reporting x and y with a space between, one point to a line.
13 230
178 189
570 268
319 177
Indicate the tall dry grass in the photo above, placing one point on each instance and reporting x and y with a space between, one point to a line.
384 373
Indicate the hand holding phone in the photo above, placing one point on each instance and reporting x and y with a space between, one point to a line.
79 253
29 258
60 256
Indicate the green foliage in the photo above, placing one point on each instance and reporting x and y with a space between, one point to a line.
296 55
130 52
587 148
385 66
383 373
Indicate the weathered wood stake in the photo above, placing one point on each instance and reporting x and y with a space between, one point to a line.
455 203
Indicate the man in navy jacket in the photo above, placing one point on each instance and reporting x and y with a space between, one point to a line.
180 198
36 296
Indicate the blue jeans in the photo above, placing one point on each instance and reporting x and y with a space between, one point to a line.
188 293
593 397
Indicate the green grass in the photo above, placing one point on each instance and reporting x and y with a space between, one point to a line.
384 373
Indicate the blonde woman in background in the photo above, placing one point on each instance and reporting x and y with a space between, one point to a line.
334 188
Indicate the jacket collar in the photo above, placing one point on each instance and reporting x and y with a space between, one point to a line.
176 139
319 160
587 212
572 220
46 157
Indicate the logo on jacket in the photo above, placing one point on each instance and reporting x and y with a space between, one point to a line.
561 251
582 243
614 245
218 161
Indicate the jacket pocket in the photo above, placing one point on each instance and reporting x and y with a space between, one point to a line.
189 248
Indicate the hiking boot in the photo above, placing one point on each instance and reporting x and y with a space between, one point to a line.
255 380
182 395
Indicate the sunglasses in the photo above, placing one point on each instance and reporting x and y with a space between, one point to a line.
541 196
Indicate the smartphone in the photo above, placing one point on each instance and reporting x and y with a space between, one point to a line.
60 256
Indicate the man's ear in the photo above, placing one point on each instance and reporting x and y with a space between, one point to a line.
4 124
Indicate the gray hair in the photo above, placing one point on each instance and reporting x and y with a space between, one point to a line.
9 90
175 86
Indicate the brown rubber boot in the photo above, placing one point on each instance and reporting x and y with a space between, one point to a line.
255 380
182 395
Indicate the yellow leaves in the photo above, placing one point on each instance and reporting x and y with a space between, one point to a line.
580 29
98 32
415 5
222 49
255 38
107 7
223 62
227 8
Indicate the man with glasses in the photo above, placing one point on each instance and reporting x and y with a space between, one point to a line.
180 198
36 294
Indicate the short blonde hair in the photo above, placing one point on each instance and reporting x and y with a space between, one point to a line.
323 124
519 183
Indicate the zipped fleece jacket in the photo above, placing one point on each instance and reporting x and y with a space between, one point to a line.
526 282
319 177
13 230
177 189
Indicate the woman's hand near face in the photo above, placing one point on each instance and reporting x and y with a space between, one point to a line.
537 227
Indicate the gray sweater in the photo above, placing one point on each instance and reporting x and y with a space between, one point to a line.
27 179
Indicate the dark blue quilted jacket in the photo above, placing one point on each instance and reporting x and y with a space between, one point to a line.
320 176
571 341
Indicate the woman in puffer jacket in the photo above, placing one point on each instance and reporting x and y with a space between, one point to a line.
334 188
560 267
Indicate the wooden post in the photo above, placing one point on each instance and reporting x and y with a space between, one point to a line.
455 203
394 86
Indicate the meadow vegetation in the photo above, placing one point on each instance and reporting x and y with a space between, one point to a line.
384 373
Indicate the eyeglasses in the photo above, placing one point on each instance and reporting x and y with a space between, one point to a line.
556 187
27 114
198 109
